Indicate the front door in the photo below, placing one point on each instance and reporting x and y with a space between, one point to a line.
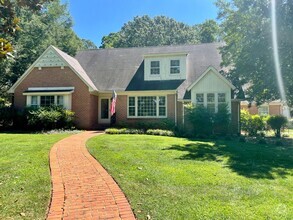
104 110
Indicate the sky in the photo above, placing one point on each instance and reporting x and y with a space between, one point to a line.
94 19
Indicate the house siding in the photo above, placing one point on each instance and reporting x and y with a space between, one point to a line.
84 104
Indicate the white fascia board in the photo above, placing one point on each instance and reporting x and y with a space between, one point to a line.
164 54
49 88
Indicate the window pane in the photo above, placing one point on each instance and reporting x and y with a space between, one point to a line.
47 101
104 108
131 111
162 100
211 97
211 107
174 66
155 63
34 101
131 106
60 100
147 106
155 67
162 111
199 98
221 97
263 110
131 101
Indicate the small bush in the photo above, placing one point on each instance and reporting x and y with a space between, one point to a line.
6 116
123 131
251 124
160 132
46 118
277 122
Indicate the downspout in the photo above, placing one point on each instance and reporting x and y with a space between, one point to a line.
176 108
183 114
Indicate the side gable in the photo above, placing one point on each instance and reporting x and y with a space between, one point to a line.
53 57
214 71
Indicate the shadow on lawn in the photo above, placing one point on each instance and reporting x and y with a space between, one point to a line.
249 160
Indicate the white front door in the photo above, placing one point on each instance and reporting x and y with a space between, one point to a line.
104 110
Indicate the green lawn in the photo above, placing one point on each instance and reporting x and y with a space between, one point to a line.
176 178
25 175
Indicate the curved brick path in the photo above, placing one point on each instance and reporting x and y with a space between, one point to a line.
82 189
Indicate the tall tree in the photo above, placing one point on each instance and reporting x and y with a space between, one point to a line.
209 31
248 51
9 22
146 31
51 26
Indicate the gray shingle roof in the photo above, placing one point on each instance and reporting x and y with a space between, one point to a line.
122 69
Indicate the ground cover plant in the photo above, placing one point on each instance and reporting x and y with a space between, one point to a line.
177 178
25 175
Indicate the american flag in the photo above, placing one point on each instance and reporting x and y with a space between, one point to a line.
113 103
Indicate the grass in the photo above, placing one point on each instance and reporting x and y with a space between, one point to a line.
176 178
25 175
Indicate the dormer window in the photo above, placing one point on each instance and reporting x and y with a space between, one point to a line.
155 67
174 66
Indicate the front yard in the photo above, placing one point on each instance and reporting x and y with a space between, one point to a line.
176 178
25 175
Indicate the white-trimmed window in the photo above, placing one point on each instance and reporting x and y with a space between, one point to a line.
155 67
34 101
263 110
221 98
174 66
147 106
211 102
46 100
200 99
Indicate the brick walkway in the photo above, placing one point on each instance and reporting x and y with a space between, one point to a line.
82 189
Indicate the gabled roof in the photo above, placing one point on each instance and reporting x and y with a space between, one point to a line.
122 69
211 68
70 61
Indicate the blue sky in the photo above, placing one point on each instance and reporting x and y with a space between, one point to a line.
94 19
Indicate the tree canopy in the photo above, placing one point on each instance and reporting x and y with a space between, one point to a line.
50 26
248 50
160 30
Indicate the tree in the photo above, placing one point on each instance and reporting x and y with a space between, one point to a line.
208 31
9 22
51 26
146 31
248 52
277 122
87 44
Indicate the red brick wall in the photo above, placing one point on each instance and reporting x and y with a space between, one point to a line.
84 104
275 110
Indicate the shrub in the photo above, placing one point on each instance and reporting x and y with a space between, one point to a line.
6 116
45 118
123 131
205 122
251 124
201 119
160 132
221 121
277 122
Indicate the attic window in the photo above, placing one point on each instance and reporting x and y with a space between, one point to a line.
174 66
155 67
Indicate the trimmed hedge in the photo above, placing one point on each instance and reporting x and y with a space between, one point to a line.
139 131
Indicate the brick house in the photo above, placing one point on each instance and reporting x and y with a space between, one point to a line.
152 83
269 108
